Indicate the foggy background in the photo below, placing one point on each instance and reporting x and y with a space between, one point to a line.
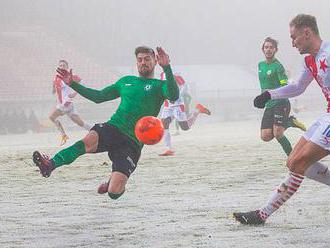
215 45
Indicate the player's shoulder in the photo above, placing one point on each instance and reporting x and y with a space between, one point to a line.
261 63
126 79
278 64
159 81
55 78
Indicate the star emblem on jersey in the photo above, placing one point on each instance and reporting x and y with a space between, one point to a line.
147 87
323 65
269 72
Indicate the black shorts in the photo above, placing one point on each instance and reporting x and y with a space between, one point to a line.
122 150
277 115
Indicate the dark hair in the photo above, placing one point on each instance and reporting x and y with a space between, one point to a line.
64 61
270 40
305 21
144 49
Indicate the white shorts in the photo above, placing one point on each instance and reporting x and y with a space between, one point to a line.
68 109
176 112
319 132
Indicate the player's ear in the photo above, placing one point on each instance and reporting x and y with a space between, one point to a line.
307 32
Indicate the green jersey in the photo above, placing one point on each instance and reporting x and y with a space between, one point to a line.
272 76
139 97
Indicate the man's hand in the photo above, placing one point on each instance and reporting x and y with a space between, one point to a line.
261 100
162 57
67 76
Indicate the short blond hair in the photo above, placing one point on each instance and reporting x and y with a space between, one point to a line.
305 21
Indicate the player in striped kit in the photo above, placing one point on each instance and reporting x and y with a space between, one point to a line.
64 96
315 143
176 110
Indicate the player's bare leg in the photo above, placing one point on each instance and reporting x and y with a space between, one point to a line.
167 137
199 109
177 128
53 117
67 155
305 155
115 186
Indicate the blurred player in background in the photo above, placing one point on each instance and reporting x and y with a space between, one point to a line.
187 102
176 110
64 96
276 117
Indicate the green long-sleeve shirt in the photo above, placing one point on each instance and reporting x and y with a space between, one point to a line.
272 76
139 97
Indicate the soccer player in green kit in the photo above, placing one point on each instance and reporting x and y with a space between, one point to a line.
276 116
140 96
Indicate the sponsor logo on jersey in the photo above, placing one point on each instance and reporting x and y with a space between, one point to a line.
147 87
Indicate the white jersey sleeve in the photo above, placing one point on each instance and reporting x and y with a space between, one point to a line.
295 88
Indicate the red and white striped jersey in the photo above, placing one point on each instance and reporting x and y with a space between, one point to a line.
62 91
317 68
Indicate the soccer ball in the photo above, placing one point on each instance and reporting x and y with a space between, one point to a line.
149 130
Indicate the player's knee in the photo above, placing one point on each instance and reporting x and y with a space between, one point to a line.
166 125
267 137
185 127
297 164
80 124
278 134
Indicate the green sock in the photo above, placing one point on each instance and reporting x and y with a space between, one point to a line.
70 154
286 145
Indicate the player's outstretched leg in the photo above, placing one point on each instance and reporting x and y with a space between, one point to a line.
199 109
45 165
283 193
63 157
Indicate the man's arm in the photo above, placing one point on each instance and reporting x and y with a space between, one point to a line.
294 89
170 88
108 93
288 91
282 77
